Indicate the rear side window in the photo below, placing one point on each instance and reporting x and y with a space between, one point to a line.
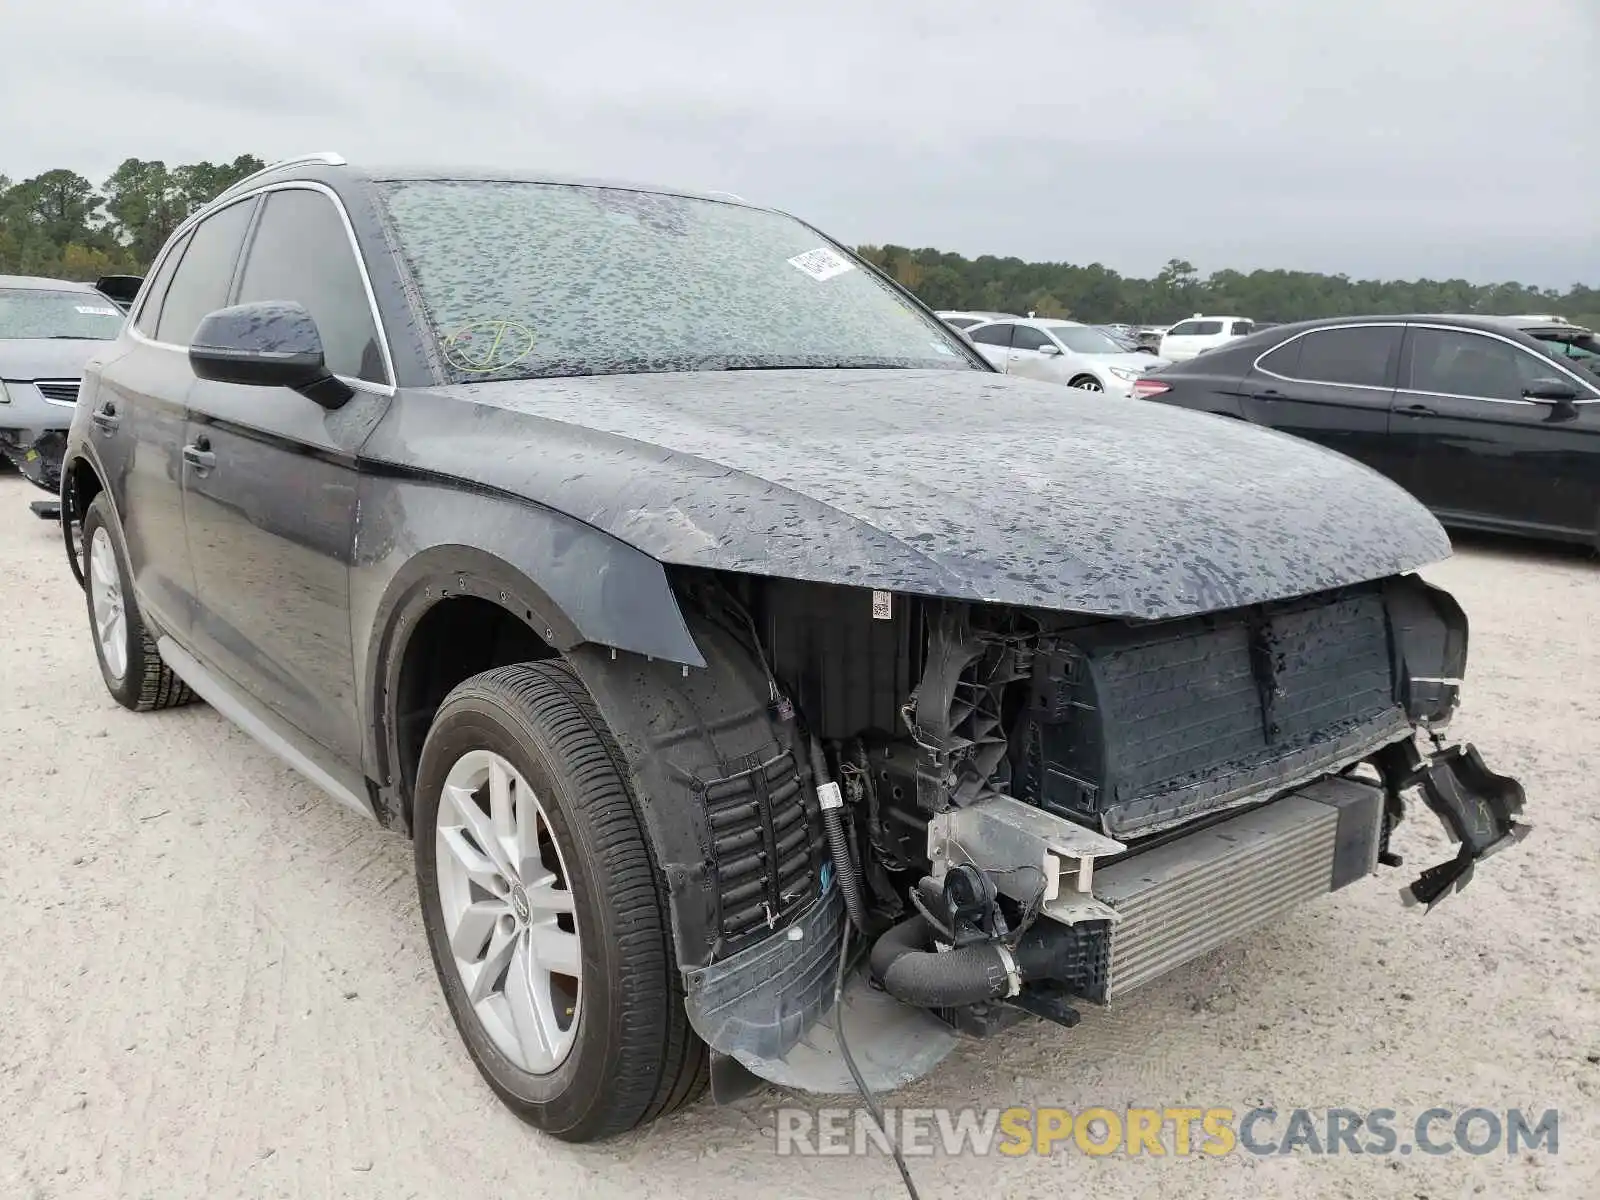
992 335
1285 360
301 253
156 290
1357 356
200 285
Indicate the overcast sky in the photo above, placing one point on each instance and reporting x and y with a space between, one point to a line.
1388 138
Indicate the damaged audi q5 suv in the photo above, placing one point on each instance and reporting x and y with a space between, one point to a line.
757 673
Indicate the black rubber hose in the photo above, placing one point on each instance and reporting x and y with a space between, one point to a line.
914 974
930 979
844 867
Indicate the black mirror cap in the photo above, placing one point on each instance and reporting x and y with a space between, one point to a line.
1554 391
270 343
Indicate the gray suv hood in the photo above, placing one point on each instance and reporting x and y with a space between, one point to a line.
46 358
963 484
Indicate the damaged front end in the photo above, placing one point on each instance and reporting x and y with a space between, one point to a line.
36 454
1011 813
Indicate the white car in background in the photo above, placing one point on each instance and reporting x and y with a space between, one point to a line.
1058 351
965 320
1201 333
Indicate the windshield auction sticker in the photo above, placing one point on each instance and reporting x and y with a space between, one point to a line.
821 263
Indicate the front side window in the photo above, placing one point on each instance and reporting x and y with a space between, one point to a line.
1355 356
200 284
528 280
1026 337
1455 362
1084 339
62 315
301 253
1196 329
993 335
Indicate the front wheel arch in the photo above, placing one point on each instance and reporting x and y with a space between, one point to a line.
80 484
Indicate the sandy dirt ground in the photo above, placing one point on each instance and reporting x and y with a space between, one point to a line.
213 980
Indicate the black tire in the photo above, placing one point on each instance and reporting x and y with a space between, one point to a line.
1087 383
147 683
635 1057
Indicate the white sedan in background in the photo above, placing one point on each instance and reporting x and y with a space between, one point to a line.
1066 352
964 320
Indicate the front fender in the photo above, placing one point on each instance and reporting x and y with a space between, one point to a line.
420 541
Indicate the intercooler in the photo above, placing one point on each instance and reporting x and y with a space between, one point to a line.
1192 895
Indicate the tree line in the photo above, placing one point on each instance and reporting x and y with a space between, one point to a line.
1098 295
63 225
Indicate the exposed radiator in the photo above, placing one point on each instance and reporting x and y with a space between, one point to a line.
1190 896
1136 729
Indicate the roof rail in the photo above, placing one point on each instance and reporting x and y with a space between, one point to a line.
328 158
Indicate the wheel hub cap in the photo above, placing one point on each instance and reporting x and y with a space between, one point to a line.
509 912
520 906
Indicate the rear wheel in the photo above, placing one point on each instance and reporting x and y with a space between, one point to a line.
545 910
130 665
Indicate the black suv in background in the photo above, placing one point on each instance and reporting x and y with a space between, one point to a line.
706 611
1493 422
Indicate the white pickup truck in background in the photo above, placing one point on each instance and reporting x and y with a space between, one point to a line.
1201 333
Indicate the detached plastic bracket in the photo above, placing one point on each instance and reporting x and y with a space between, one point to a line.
1477 808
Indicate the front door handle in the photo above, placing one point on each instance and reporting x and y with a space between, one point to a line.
199 456
1269 394
1417 410
105 417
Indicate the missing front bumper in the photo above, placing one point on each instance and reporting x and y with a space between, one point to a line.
771 1010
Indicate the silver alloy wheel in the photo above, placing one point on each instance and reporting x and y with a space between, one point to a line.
105 593
509 911
1089 385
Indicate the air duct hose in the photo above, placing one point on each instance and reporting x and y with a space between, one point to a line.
914 974
844 866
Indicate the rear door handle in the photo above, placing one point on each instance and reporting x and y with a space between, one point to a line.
1269 394
1417 410
199 456
105 417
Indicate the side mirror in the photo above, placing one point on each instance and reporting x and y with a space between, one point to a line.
1559 394
1049 348
267 344
1550 391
